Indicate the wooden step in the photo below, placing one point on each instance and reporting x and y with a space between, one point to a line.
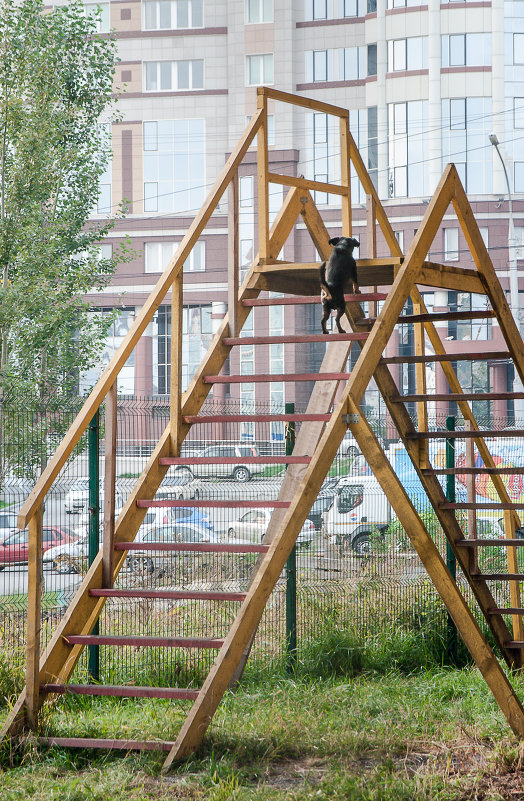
448 357
168 595
270 377
514 644
189 460
109 745
190 503
257 418
286 339
487 542
459 396
121 691
497 576
510 610
199 547
298 300
432 317
142 642
480 433
481 506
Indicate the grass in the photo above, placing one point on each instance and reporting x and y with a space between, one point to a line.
379 719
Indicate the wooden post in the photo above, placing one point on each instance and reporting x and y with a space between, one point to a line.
109 487
420 378
177 295
34 619
233 256
291 569
514 586
371 236
345 175
263 186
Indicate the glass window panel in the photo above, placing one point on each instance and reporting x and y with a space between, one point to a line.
151 69
400 177
150 134
268 68
518 112
150 15
400 117
519 176
104 199
320 65
183 74
166 82
150 196
350 64
182 14
245 187
197 14
372 59
451 252
518 48
399 54
164 14
198 74
457 50
457 113
319 9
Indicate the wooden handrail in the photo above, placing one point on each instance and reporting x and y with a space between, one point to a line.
109 376
305 102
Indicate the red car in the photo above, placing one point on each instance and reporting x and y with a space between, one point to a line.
14 547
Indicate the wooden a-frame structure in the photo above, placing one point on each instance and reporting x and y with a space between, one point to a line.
328 415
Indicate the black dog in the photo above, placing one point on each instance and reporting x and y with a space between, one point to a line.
340 268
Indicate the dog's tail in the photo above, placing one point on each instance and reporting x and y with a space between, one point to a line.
325 294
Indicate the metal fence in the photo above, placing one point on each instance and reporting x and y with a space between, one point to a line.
355 566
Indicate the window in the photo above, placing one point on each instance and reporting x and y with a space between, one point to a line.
518 48
484 232
173 162
259 69
407 149
518 176
100 11
165 76
399 236
343 64
197 335
408 54
103 205
246 191
466 50
372 59
320 65
196 260
259 11
319 9
451 249
169 14
157 256
465 128
469 329
405 3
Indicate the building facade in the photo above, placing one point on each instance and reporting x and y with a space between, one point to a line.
425 85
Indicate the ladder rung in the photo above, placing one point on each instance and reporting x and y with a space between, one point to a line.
189 460
510 610
200 547
481 506
444 434
514 644
482 471
190 504
118 745
459 396
269 377
296 300
434 316
447 357
498 576
257 418
486 542
141 642
166 595
121 691
290 338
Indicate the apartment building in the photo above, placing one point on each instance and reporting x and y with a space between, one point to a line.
425 84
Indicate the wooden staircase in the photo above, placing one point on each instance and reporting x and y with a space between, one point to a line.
334 406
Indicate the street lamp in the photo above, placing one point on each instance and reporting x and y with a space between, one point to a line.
513 275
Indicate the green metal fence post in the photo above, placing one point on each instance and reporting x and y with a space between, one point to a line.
291 570
451 561
93 658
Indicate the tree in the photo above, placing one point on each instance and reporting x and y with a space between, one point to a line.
56 107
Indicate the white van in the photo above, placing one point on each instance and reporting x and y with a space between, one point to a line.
360 509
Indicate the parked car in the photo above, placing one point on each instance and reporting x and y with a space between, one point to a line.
147 562
252 526
8 520
69 557
77 499
323 502
15 546
239 471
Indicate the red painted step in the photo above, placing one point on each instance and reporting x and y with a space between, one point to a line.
189 504
295 338
150 642
121 691
257 418
199 547
171 460
269 377
193 595
296 300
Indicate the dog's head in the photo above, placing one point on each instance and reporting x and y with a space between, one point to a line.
344 243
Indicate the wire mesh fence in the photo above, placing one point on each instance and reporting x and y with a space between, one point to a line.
354 562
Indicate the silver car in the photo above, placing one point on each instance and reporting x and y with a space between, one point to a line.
239 471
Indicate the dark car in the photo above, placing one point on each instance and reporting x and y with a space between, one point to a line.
14 548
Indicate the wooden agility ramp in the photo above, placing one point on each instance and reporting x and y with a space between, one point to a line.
334 406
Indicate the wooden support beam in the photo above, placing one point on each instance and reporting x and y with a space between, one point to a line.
420 379
514 586
345 176
233 256
175 382
263 183
109 486
34 620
